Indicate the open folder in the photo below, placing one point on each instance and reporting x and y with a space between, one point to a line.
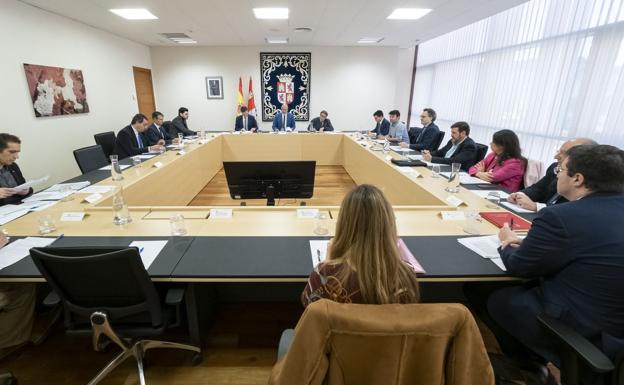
499 218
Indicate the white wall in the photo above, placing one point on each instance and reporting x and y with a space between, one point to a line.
349 82
30 35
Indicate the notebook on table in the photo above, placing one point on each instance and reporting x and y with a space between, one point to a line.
499 218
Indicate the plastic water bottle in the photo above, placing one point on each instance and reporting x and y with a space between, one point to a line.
121 214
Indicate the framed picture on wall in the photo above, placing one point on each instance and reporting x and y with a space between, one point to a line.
214 87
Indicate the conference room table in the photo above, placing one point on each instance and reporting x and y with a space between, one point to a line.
258 243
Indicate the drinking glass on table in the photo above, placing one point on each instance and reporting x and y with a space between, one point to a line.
320 224
493 198
66 190
435 170
136 161
473 221
453 182
46 224
178 228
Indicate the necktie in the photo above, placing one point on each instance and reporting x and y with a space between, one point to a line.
244 124
553 199
421 134
139 141
160 133
284 123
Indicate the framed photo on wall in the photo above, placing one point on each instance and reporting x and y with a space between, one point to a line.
214 87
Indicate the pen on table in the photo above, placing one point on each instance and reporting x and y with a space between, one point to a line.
141 250
59 237
318 255
511 223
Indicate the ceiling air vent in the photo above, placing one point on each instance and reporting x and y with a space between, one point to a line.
179 38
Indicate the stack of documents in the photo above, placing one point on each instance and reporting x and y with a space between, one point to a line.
11 212
72 186
515 207
486 246
465 178
18 250
30 183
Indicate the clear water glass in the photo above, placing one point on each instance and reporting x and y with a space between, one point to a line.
453 182
46 224
176 222
435 170
136 161
494 199
180 141
473 222
66 189
320 224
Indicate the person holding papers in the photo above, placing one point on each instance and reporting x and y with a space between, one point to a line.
284 120
321 123
398 131
363 263
10 173
245 122
382 128
574 253
460 149
544 192
131 140
504 166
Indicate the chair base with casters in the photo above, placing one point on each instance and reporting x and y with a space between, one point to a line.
7 378
136 349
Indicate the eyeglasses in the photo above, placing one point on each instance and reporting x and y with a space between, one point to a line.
423 116
558 169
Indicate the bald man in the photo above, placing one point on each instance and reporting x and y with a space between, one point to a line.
544 192
284 120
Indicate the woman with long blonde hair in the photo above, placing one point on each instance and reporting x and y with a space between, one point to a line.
363 263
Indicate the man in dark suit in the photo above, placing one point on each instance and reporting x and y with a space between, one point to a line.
425 138
460 149
10 173
179 123
544 192
574 253
382 128
131 140
156 133
284 120
321 123
245 122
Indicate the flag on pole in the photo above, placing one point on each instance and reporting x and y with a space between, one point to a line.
251 104
241 99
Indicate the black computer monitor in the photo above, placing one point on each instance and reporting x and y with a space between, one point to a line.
270 179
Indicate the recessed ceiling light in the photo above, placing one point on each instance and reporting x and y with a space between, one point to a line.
277 40
134 13
408 13
271 13
370 40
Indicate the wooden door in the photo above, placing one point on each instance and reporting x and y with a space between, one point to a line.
144 91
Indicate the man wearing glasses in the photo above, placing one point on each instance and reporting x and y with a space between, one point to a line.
424 140
544 192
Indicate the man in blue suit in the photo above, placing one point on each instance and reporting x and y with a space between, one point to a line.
575 253
156 133
284 120
382 128
245 122
425 138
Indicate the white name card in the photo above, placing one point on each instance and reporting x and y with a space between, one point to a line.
158 164
72 216
453 215
93 198
181 152
454 201
221 213
307 213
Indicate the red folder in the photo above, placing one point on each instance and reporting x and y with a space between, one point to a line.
499 218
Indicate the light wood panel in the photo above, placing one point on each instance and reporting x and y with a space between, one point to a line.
144 90
331 183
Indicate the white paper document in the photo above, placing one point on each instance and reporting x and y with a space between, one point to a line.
318 251
414 157
149 250
12 216
515 207
73 186
453 215
465 178
484 193
400 149
97 189
486 246
17 250
30 183
146 157
121 166
307 213
48 196
220 213
11 212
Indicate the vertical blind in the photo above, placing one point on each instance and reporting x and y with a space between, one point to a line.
549 70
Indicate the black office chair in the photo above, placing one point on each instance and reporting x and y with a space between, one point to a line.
482 150
437 141
413 133
581 361
170 128
107 141
102 285
90 158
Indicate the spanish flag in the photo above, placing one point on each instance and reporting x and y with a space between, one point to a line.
241 99
251 104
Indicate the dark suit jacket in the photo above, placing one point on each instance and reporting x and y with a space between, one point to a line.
466 154
126 143
424 140
316 124
278 121
19 179
251 123
154 134
546 188
179 124
382 128
576 250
